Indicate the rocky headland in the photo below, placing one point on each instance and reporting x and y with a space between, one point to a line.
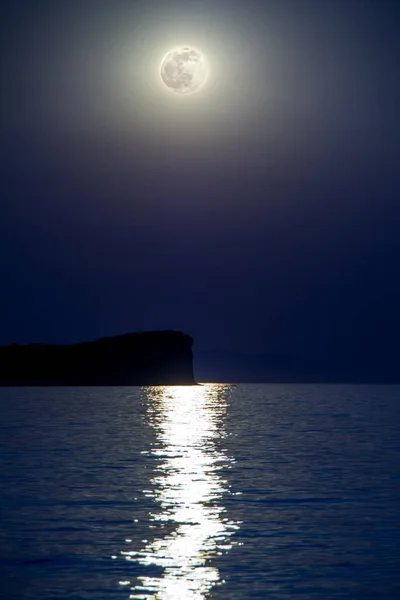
144 358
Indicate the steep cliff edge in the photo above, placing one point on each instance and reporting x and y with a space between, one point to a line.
145 358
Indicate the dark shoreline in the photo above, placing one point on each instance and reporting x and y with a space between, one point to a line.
134 359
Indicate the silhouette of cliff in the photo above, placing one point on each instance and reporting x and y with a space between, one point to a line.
145 358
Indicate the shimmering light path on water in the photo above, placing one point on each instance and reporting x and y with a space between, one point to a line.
192 527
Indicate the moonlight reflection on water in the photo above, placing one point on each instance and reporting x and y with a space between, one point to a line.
189 424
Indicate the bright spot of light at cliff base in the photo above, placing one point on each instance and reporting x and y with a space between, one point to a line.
184 70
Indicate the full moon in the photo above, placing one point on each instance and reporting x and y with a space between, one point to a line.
184 70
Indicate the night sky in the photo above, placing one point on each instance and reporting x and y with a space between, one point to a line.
260 215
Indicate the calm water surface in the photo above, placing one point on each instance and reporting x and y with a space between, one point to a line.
216 491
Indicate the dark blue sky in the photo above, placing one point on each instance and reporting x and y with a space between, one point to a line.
261 216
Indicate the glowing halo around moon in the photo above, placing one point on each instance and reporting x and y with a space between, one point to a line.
184 70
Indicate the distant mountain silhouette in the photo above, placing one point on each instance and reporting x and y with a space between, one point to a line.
144 358
343 367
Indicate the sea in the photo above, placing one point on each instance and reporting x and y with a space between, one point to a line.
215 491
